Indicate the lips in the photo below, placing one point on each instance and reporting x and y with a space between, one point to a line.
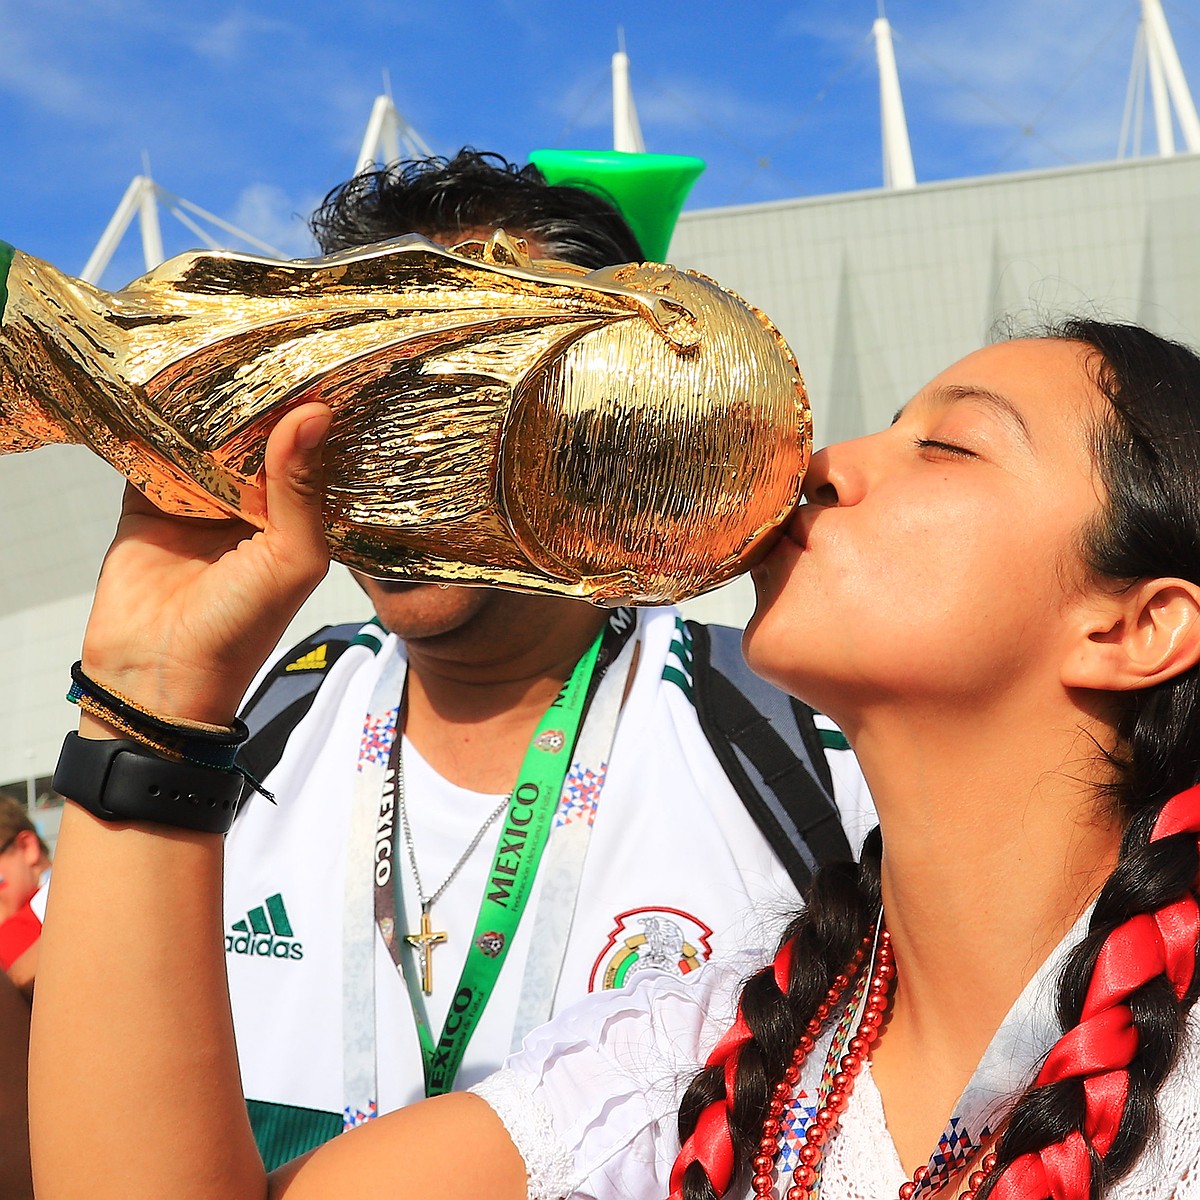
394 586
797 526
790 542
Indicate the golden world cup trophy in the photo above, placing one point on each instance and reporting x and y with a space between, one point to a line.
628 435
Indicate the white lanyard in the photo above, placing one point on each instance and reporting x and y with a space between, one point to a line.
562 864
372 819
360 1093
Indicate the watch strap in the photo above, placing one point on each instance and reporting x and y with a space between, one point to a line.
121 780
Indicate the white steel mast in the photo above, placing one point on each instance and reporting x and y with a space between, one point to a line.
141 200
1156 61
627 133
389 136
898 169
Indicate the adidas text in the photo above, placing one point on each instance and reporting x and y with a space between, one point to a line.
263 945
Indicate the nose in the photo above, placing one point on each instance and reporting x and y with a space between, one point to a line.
835 476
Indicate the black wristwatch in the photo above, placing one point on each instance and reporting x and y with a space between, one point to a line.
119 780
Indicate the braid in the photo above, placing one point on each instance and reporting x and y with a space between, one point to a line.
721 1115
1126 992
1128 987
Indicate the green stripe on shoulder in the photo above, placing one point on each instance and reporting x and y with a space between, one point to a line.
371 635
833 739
683 682
6 257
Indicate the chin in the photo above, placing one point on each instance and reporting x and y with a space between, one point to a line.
778 648
766 633
423 610
768 648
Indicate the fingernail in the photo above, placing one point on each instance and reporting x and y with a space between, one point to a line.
311 433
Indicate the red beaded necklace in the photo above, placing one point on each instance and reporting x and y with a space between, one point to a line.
824 1122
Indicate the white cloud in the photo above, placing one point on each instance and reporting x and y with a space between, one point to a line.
1047 79
42 74
1008 83
235 36
267 212
672 104
688 104
837 27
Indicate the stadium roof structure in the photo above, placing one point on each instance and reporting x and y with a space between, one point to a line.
388 136
1156 68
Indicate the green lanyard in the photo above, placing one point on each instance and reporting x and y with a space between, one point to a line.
523 837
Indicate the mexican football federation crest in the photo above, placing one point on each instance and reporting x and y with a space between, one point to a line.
659 939
491 943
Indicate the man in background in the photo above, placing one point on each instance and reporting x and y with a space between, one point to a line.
393 928
24 867
24 871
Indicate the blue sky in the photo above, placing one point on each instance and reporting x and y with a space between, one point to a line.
253 110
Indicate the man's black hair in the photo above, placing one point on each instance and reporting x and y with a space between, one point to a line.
442 198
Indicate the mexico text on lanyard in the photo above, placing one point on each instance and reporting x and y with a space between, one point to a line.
596 686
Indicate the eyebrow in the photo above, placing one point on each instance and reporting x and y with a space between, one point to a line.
999 404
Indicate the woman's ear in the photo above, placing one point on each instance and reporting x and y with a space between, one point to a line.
1134 639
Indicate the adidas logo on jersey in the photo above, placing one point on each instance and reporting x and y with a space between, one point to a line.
265 932
680 666
314 660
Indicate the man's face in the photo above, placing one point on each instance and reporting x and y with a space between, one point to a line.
422 610
19 874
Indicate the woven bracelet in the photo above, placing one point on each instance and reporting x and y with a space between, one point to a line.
184 741
82 684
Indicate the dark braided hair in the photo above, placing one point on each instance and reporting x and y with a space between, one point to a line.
1081 1125
841 905
1148 457
444 198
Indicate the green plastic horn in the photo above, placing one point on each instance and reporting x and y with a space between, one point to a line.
648 189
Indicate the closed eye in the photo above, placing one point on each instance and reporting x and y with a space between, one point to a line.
948 448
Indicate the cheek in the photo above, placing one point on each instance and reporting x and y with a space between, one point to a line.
904 605
804 628
20 883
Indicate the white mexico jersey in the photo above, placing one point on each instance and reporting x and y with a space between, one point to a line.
675 872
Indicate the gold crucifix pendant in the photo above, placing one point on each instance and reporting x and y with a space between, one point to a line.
425 942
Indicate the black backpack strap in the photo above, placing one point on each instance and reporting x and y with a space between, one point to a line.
816 741
771 751
285 695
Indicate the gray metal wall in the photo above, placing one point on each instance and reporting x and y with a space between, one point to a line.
878 291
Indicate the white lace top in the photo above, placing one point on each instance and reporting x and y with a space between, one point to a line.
591 1099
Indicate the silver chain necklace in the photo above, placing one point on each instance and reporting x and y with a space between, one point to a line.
428 937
